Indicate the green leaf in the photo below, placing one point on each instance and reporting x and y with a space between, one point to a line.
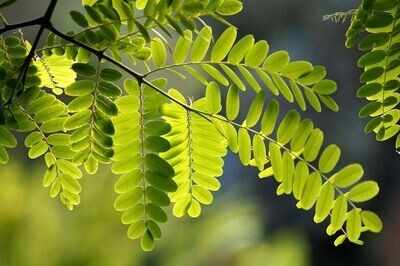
339 240
201 44
223 45
215 74
133 214
371 221
369 109
244 142
232 138
312 99
147 241
372 124
257 54
49 113
240 50
70 184
50 176
232 102
80 103
249 78
230 7
371 74
348 176
338 216
196 74
106 105
137 229
329 102
156 213
276 61
182 47
159 181
38 149
255 110
325 87
109 89
59 139
353 225
143 31
93 14
12 41
379 20
79 18
3 155
80 88
313 145
317 74
213 98
311 191
194 209
301 174
157 197
287 174
324 202
69 168
91 165
269 118
232 75
78 119
157 128
283 87
363 191
110 74
7 139
84 70
329 158
276 160
103 123
373 40
128 181
156 144
259 151
288 127
159 165
371 58
296 69
202 195
159 54
128 199
303 131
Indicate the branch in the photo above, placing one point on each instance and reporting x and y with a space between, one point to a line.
11 27
25 66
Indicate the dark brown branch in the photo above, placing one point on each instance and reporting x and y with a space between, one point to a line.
24 24
43 22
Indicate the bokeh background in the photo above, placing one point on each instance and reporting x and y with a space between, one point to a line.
248 225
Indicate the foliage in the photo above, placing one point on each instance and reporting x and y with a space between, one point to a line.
93 236
380 63
165 147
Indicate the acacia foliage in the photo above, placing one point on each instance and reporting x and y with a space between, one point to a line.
80 112
377 22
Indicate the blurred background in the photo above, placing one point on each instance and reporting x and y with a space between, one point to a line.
248 224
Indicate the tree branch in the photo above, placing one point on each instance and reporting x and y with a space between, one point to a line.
37 21
44 21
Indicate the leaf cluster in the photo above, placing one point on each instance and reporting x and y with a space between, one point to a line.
79 112
377 21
